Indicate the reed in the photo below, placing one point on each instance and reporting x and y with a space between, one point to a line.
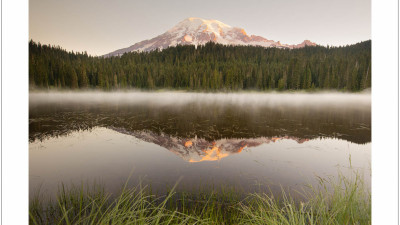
339 200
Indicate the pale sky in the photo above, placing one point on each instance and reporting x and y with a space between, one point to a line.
102 26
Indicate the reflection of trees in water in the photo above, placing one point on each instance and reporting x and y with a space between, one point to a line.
208 121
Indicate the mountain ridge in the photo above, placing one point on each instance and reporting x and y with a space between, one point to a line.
197 31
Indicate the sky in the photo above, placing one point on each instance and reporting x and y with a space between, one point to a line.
102 26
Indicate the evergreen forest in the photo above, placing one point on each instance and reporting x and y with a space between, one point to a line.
210 67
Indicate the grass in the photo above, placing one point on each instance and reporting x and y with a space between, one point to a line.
340 200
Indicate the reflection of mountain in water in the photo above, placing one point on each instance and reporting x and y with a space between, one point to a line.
199 149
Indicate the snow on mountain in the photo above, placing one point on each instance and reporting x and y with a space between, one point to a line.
197 31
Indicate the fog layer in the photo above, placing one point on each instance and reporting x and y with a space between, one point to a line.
181 98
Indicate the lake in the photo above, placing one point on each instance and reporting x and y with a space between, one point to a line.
205 140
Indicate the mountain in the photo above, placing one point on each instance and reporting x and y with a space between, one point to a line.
197 31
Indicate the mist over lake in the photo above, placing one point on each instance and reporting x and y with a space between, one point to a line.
174 98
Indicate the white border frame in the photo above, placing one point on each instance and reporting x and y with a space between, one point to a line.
14 133
385 136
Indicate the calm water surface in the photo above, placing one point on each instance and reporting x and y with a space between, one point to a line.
207 140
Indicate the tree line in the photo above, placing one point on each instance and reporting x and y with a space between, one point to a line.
210 67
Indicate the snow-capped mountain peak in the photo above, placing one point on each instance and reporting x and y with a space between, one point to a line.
193 24
198 31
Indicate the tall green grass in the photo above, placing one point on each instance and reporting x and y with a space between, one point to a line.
334 201
340 200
